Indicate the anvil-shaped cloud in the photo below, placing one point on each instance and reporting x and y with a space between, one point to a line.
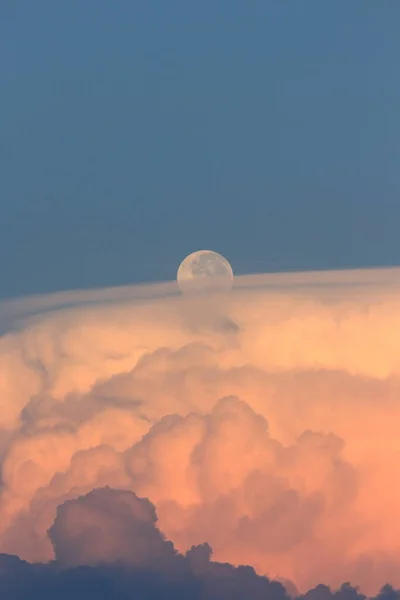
263 422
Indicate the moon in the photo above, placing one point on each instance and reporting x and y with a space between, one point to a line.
204 271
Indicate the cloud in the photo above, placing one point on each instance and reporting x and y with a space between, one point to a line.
263 422
107 545
106 526
114 532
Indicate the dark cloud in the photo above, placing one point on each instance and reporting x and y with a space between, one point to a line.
107 526
107 547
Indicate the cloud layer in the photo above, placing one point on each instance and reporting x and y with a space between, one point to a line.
262 422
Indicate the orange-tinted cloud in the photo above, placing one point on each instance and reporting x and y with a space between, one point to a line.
263 422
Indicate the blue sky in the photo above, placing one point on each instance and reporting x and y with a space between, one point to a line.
132 133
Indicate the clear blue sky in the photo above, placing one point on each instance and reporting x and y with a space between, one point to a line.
134 132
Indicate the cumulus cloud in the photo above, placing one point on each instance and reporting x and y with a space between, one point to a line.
114 532
107 542
262 422
106 526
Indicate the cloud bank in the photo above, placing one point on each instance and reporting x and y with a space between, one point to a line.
261 422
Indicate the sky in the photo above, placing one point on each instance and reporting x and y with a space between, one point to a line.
132 133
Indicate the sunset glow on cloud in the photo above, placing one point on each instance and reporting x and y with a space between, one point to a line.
263 422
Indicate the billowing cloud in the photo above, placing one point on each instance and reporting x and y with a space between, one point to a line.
107 526
262 422
107 543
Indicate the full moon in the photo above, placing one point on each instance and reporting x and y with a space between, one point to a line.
204 271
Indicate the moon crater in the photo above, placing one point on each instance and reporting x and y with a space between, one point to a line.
204 271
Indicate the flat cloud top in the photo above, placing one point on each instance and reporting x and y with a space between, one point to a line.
370 279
